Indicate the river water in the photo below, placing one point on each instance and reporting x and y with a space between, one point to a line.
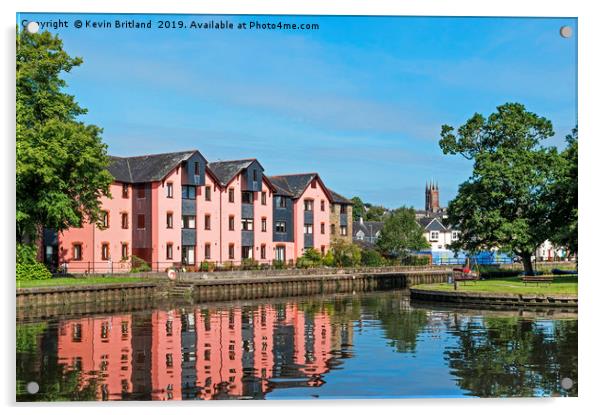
360 345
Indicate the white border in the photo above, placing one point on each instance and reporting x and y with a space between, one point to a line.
590 70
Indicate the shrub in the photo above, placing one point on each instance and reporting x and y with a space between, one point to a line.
346 254
206 266
278 264
28 267
371 258
249 264
311 258
139 265
416 260
328 259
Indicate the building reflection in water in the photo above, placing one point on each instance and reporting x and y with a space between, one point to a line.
203 353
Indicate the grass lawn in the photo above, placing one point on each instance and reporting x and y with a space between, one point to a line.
563 284
53 282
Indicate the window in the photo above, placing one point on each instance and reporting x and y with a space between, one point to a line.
322 205
77 252
231 195
308 229
262 251
189 192
207 251
281 253
264 198
247 224
455 235
169 220
280 226
104 219
247 252
314 184
332 208
323 250
281 202
140 223
254 175
264 225
188 255
124 221
208 193
231 222
124 251
207 222
231 251
141 193
169 251
434 236
125 191
169 360
308 205
322 228
170 190
343 229
188 222
247 197
197 168
104 252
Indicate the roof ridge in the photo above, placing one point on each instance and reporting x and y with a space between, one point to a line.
156 154
230 161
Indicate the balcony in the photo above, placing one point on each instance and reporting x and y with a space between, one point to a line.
189 207
247 211
343 219
308 216
247 238
308 240
188 236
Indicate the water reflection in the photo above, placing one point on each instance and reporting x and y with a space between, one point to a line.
336 346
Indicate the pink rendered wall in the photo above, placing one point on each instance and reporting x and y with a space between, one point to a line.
166 381
99 354
263 211
234 209
164 205
318 194
213 208
91 237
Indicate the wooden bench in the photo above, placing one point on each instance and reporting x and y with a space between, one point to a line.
460 275
544 279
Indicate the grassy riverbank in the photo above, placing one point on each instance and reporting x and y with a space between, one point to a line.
565 284
61 282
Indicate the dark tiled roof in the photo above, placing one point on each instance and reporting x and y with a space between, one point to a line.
432 224
370 228
149 168
337 198
292 185
226 170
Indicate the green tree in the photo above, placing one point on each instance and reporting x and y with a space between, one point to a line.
376 213
562 197
358 209
345 254
502 204
61 162
401 234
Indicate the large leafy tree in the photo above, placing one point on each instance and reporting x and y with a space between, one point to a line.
358 208
401 234
562 197
61 162
502 205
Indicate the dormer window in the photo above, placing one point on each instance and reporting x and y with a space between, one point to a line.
308 205
434 236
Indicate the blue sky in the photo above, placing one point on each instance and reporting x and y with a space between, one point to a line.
361 100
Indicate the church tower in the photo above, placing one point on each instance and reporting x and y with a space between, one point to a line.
431 197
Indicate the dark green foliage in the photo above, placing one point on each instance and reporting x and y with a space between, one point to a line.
358 209
28 267
376 214
502 205
401 234
139 265
415 260
372 258
60 162
311 258
345 254
562 197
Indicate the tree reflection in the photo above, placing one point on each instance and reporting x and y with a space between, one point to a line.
500 357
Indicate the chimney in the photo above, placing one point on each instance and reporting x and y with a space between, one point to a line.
361 220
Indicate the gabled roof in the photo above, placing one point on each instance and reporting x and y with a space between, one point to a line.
337 198
227 170
432 224
293 185
369 228
148 168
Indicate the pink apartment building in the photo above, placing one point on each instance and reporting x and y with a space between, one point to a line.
178 209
